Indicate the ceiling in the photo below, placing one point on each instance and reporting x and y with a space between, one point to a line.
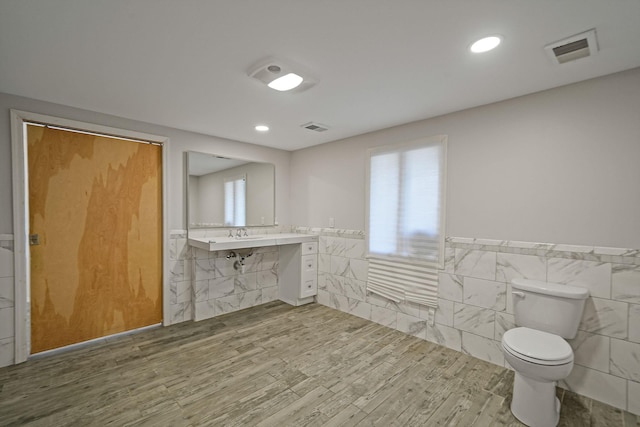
378 63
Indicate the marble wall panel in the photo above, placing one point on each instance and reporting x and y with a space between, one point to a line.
221 287
625 283
269 294
249 299
476 320
595 276
444 313
475 263
605 317
484 293
445 335
6 262
512 266
335 246
201 290
504 322
591 350
226 304
355 249
7 290
356 289
384 316
634 323
482 348
597 385
633 400
625 359
450 287
359 308
6 351
412 325
204 310
266 278
7 329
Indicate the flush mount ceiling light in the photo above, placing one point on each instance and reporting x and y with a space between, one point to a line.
262 128
485 44
282 76
286 82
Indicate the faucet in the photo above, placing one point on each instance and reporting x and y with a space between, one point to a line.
238 233
245 232
230 232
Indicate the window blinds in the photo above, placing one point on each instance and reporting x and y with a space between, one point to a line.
405 220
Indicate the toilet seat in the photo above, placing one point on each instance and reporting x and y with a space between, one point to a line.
541 348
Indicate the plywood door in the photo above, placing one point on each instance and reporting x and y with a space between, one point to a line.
96 204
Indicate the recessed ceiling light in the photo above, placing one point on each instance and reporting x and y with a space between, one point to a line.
262 128
286 82
485 44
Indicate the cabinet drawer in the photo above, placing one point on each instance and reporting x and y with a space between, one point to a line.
309 263
309 248
309 288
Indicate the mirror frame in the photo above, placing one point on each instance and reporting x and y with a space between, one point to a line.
187 175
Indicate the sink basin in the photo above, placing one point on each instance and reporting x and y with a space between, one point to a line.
228 243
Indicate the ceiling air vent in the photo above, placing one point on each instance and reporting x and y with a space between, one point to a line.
570 49
317 127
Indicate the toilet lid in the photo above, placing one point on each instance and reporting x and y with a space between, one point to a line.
537 345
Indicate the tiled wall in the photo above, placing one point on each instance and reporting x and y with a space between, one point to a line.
205 284
180 255
219 288
475 306
7 318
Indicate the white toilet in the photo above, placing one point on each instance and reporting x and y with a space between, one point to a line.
546 313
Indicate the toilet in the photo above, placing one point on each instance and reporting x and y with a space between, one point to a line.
545 314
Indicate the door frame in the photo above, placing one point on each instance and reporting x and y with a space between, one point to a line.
22 334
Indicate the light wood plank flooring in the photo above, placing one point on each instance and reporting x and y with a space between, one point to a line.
272 365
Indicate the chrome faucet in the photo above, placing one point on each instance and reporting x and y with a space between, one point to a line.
230 232
238 233
245 232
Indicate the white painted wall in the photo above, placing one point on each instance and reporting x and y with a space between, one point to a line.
180 142
560 166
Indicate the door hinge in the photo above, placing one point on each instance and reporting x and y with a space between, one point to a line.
34 239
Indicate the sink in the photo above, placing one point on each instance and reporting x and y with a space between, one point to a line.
228 243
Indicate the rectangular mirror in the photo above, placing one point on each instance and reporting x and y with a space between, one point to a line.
224 192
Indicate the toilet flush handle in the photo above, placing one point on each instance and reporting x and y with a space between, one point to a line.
517 294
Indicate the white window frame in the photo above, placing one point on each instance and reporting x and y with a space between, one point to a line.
408 263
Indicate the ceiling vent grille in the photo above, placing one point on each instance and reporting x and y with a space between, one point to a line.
316 127
573 48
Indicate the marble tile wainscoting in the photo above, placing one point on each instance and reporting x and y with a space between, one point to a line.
7 313
204 284
475 306
180 256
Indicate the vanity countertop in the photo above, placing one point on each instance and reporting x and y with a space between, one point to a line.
227 243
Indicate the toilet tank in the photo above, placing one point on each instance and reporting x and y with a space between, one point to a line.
549 307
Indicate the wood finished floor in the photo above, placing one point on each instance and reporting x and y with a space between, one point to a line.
272 365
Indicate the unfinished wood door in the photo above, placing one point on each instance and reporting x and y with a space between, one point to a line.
95 203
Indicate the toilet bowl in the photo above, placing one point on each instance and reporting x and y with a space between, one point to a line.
539 359
546 314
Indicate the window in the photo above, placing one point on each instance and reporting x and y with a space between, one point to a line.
405 220
235 196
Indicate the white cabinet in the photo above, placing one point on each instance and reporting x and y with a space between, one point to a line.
298 273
